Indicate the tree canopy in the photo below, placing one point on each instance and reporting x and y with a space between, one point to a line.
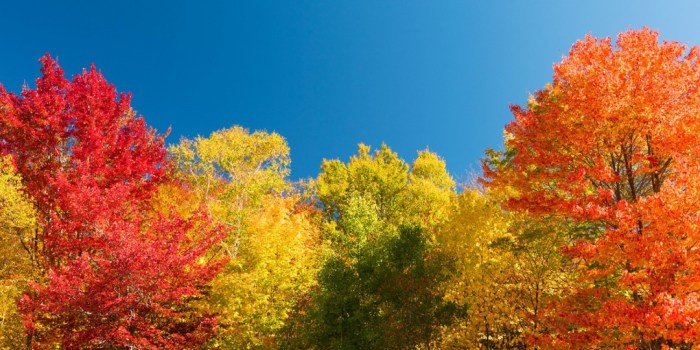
612 142
581 232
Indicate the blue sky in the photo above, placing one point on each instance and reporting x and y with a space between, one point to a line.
327 74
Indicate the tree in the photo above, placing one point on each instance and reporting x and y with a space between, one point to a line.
273 243
384 296
612 144
232 170
276 268
479 283
380 178
507 266
17 219
379 287
136 293
430 191
89 166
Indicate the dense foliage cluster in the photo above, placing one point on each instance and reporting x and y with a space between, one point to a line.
583 231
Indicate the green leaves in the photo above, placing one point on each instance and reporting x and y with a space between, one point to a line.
380 286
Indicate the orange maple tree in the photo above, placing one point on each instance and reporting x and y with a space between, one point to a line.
612 142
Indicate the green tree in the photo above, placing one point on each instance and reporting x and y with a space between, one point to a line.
379 287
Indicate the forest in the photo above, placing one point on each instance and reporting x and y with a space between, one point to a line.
581 232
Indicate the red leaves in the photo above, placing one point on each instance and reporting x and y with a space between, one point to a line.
114 278
139 284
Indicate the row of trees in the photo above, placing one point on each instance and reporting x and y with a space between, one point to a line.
581 233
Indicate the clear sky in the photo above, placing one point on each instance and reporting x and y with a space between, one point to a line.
326 74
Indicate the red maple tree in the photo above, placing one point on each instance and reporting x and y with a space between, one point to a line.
112 278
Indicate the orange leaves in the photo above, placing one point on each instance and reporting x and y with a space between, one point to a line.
608 124
609 112
614 140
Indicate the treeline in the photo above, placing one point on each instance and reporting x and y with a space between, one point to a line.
581 233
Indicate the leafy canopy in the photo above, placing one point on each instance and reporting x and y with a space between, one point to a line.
612 143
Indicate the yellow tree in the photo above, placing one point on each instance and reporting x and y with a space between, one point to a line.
475 224
508 267
231 171
416 195
430 191
276 268
272 243
17 220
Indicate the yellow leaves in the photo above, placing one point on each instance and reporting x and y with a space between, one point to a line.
420 196
172 198
430 189
16 211
275 247
252 164
17 225
231 172
11 329
333 181
475 222
507 264
276 266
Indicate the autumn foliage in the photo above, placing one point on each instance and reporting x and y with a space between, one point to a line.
583 232
110 279
613 142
